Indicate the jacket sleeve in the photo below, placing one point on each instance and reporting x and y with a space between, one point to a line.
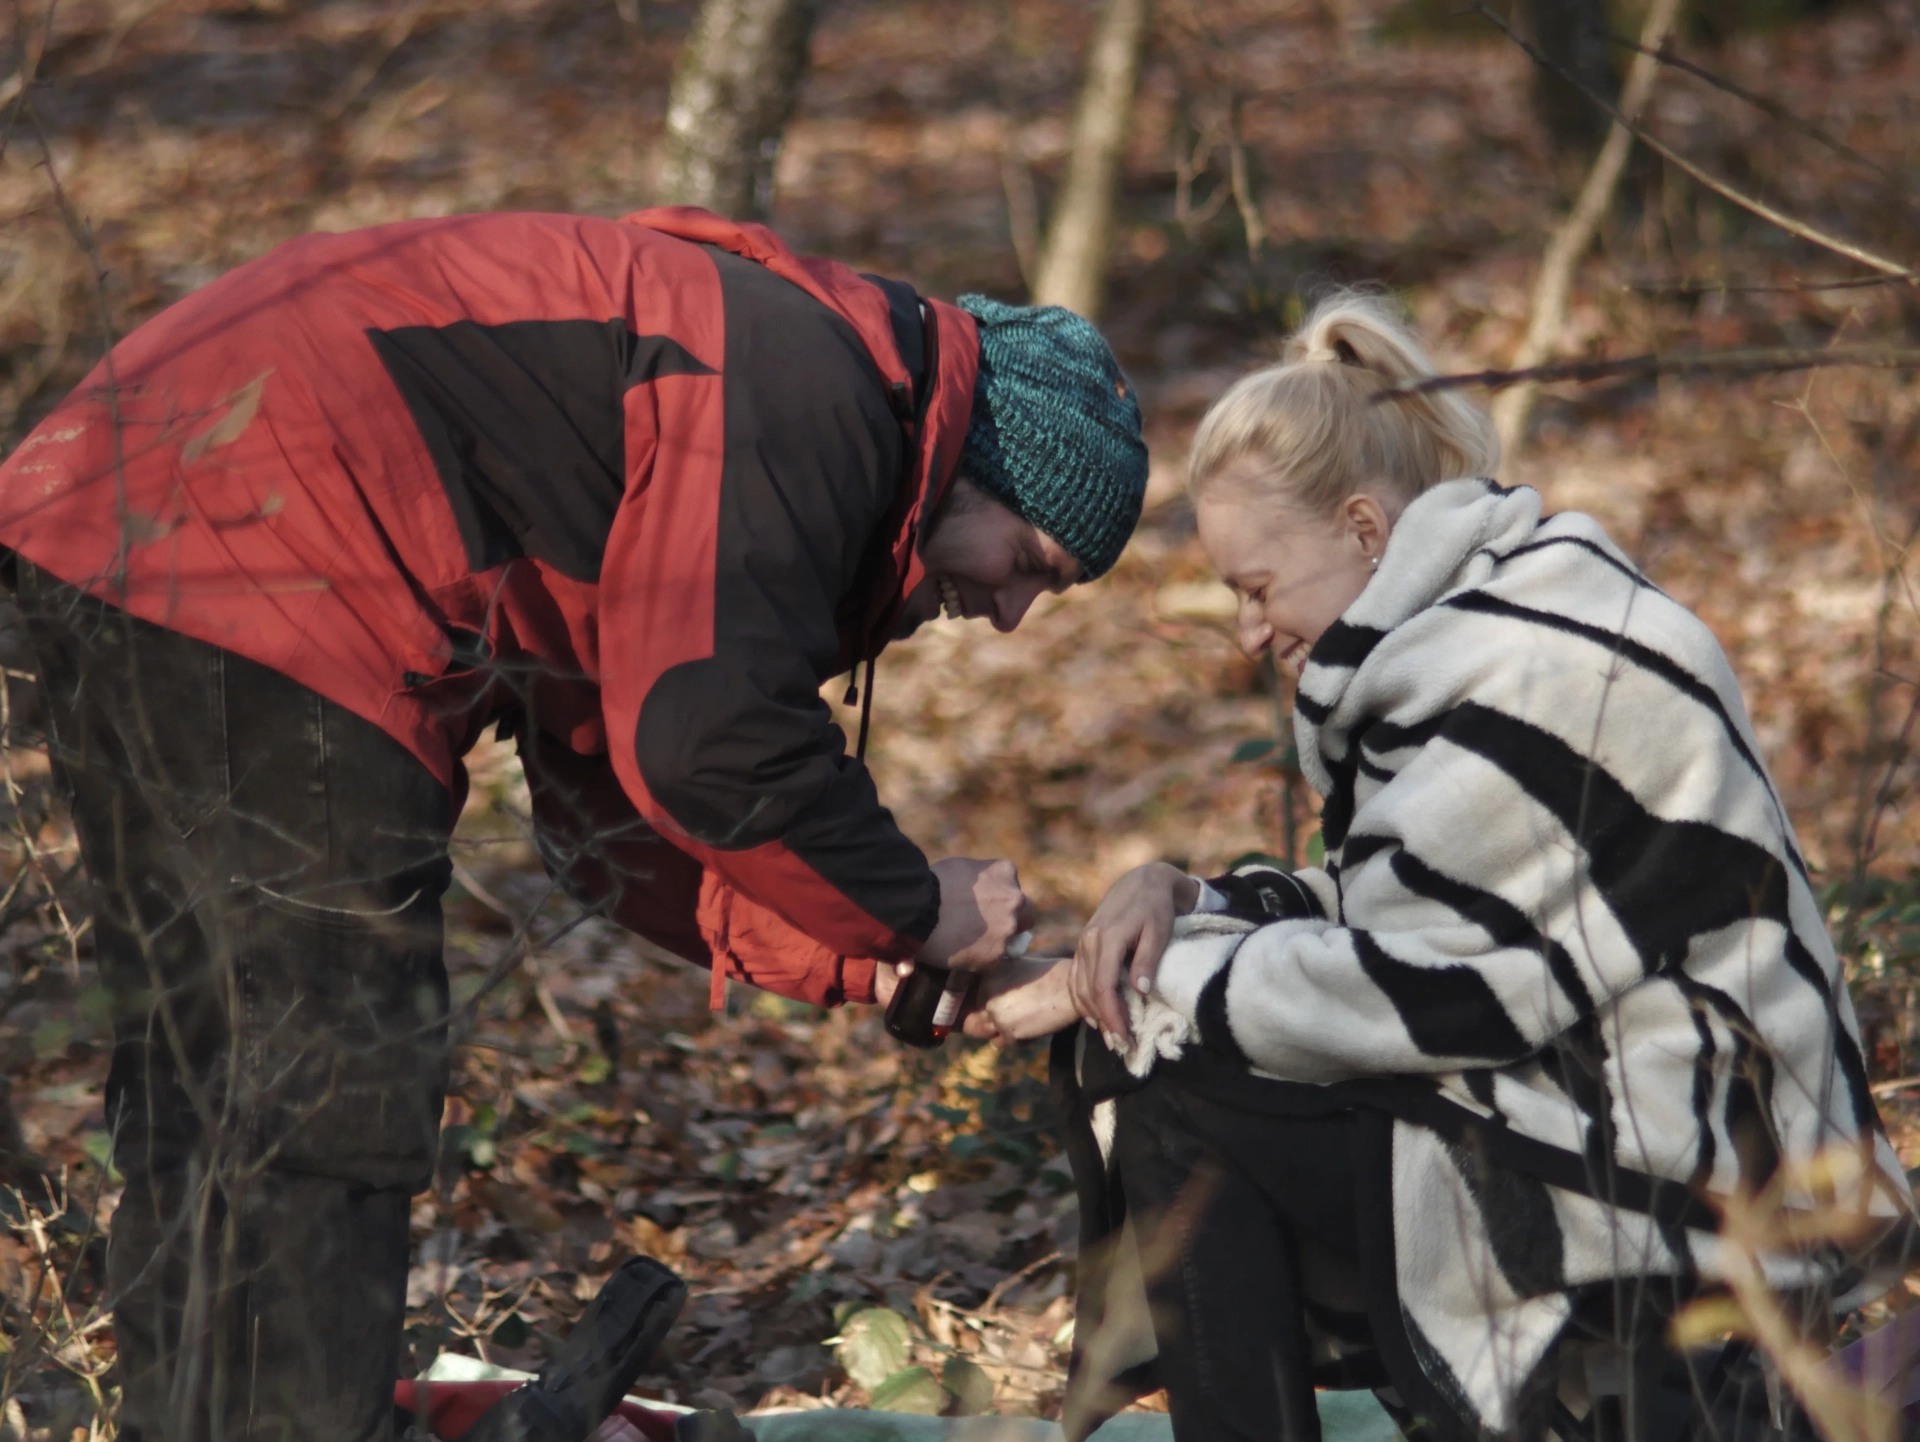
1265 893
726 581
600 851
1461 934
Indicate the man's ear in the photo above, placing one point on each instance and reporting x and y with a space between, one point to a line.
962 496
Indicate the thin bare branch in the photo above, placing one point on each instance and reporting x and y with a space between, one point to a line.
397 31
1760 360
1023 206
17 86
1675 286
83 237
1240 176
1773 109
1805 230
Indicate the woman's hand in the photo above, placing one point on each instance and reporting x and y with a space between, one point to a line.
982 909
1025 998
1133 923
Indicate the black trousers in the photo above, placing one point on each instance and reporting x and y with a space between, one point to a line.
1237 1211
1265 1244
265 875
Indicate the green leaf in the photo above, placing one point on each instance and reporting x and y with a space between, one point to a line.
99 1146
50 1038
513 1331
1316 850
912 1390
810 1285
874 1345
772 1007
595 1069
972 1388
1258 749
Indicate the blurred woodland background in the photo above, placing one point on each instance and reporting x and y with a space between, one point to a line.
1190 169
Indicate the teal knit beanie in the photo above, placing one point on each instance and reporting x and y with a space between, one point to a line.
1055 433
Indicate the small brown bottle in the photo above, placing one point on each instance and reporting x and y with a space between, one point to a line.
927 1004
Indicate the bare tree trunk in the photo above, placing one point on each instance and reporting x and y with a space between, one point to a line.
1073 265
733 93
1572 34
1548 311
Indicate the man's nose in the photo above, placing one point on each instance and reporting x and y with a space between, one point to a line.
1255 636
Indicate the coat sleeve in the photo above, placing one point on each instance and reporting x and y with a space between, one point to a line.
1265 893
1455 937
596 846
599 850
727 581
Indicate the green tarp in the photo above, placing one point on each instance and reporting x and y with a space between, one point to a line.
1344 1417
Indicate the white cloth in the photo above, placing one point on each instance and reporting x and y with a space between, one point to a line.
1210 899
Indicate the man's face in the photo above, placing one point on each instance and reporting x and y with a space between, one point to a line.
983 560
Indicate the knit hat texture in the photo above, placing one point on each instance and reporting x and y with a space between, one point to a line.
1055 433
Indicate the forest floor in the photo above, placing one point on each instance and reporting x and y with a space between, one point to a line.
797 1165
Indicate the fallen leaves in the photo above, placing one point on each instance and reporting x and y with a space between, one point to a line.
798 1166
241 407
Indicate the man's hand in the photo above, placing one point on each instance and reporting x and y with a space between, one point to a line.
982 909
1133 923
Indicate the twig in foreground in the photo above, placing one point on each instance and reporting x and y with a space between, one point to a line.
1763 360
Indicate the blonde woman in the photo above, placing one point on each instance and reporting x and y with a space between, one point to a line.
1454 1115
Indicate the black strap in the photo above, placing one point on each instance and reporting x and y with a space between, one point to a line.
866 714
910 402
910 339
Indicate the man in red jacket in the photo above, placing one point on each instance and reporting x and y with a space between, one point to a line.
631 491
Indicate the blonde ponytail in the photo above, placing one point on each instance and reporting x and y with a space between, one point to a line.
1315 434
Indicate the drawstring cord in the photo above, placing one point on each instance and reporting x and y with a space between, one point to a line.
866 706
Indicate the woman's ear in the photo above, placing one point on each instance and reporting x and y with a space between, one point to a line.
1367 524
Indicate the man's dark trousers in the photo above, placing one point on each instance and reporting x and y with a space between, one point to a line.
265 874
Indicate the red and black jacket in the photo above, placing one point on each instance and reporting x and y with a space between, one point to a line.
635 489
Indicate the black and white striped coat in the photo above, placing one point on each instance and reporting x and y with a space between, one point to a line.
1562 907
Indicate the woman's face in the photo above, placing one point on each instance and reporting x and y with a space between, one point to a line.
1295 574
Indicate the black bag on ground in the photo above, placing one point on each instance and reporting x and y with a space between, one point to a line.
591 1371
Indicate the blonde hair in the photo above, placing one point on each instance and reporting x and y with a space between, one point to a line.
1316 432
